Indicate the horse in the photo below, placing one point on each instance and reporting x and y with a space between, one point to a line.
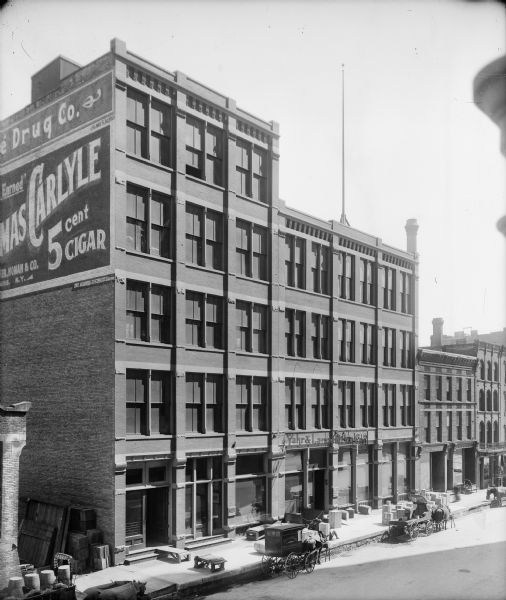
440 517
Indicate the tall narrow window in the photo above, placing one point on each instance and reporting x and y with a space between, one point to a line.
346 276
389 405
439 426
426 385
214 240
259 251
194 147
367 404
439 387
259 328
214 322
136 217
367 281
160 133
136 403
214 155
459 389
194 325
160 225
160 403
405 292
319 336
194 234
243 182
449 397
459 425
346 338
251 403
481 403
160 314
294 403
136 310
320 268
426 426
259 175
243 325
137 112
388 347
214 403
469 390
389 288
295 332
194 396
449 426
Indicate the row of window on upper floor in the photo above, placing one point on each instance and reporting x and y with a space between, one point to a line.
150 135
150 229
150 408
490 375
149 311
454 388
453 430
490 437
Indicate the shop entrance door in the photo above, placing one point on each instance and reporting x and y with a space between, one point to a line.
437 471
146 518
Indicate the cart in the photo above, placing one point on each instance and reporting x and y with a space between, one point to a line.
408 529
286 552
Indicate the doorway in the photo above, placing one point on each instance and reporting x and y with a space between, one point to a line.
146 518
204 496
437 471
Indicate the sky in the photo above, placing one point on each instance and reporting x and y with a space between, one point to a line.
416 146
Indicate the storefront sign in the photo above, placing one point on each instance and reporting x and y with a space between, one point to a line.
57 119
54 214
310 440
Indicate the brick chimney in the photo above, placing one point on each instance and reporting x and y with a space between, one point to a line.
49 77
436 339
411 231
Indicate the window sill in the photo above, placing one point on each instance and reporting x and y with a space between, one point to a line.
203 181
240 432
131 342
305 358
156 436
305 291
246 278
251 199
149 162
203 349
197 434
246 353
204 268
147 255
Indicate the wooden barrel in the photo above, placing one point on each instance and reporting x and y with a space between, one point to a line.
32 581
47 578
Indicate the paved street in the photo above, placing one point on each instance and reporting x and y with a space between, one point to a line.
468 562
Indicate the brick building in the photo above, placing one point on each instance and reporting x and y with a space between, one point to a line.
490 394
447 406
198 353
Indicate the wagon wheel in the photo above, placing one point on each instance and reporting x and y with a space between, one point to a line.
429 528
267 565
278 565
292 565
413 532
310 561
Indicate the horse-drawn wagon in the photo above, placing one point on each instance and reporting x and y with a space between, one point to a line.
409 527
287 552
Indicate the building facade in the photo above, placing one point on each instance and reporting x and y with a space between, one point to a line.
198 354
447 406
490 394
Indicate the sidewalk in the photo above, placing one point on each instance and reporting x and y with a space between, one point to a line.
165 577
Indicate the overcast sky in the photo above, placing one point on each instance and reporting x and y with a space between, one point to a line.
416 145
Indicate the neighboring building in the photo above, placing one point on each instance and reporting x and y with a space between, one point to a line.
197 353
447 408
490 395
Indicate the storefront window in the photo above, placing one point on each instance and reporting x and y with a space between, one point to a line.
402 469
250 489
204 497
362 475
344 477
386 471
293 493
316 478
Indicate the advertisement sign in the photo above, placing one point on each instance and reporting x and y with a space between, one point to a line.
54 213
70 112
321 438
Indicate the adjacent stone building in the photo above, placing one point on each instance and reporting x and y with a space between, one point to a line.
200 355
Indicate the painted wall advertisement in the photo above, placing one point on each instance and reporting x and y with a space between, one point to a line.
79 107
54 213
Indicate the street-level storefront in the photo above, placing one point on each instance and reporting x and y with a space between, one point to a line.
204 496
446 466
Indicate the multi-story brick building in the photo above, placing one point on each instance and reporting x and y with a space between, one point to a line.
490 393
447 408
197 353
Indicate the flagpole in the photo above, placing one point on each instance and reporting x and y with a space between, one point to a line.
343 220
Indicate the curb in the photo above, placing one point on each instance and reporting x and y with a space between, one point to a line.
213 583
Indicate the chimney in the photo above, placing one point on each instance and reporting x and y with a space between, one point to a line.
49 77
411 231
436 339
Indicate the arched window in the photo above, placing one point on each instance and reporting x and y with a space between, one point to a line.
496 400
482 400
496 371
489 432
482 432
489 400
496 431
482 370
489 370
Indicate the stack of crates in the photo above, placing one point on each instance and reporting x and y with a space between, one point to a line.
83 537
388 513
